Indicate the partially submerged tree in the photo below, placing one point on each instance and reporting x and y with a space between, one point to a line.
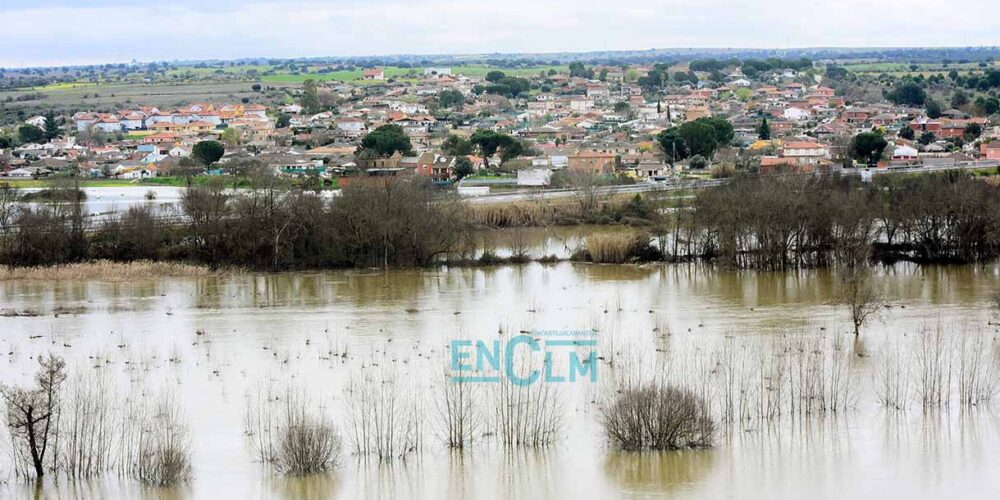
32 413
861 297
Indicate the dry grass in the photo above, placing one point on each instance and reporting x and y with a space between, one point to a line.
616 248
559 211
106 271
529 213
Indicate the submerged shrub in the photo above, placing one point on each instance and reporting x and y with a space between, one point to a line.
658 417
285 433
162 456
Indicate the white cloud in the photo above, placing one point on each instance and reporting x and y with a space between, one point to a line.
94 31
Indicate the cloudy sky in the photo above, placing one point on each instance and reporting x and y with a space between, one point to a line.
58 32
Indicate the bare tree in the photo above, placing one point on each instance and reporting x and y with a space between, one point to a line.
861 298
31 413
9 205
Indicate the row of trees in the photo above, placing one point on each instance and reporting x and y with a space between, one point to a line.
395 223
784 221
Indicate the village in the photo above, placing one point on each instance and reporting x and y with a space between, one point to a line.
376 250
623 124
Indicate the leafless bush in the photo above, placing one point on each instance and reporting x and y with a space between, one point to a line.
525 415
159 455
891 379
933 368
659 417
978 373
285 432
820 380
459 417
88 426
382 420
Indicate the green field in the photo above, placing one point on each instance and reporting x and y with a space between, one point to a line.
64 86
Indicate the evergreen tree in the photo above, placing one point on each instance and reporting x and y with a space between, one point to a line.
51 126
764 130
310 97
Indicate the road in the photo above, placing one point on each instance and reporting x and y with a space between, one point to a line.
676 185
551 194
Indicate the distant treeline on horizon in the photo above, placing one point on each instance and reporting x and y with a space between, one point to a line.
618 57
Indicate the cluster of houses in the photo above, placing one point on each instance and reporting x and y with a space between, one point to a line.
602 125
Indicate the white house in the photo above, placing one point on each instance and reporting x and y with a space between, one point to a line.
84 121
373 74
38 121
153 158
581 105
805 152
109 125
534 176
158 117
255 110
133 121
796 114
351 126
904 152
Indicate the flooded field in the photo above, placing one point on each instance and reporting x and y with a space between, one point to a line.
213 342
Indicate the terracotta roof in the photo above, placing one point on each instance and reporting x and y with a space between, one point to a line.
803 145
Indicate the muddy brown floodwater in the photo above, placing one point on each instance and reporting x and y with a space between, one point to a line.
212 341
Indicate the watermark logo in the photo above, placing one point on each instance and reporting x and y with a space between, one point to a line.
566 356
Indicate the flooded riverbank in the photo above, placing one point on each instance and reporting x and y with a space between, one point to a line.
214 340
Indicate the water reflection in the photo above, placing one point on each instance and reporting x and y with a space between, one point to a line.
661 472
319 486
212 338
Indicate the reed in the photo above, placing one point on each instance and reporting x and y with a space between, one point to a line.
520 214
614 248
106 270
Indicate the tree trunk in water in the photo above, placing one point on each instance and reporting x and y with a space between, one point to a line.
36 459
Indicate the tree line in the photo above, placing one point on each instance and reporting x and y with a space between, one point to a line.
392 223
773 222
788 221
